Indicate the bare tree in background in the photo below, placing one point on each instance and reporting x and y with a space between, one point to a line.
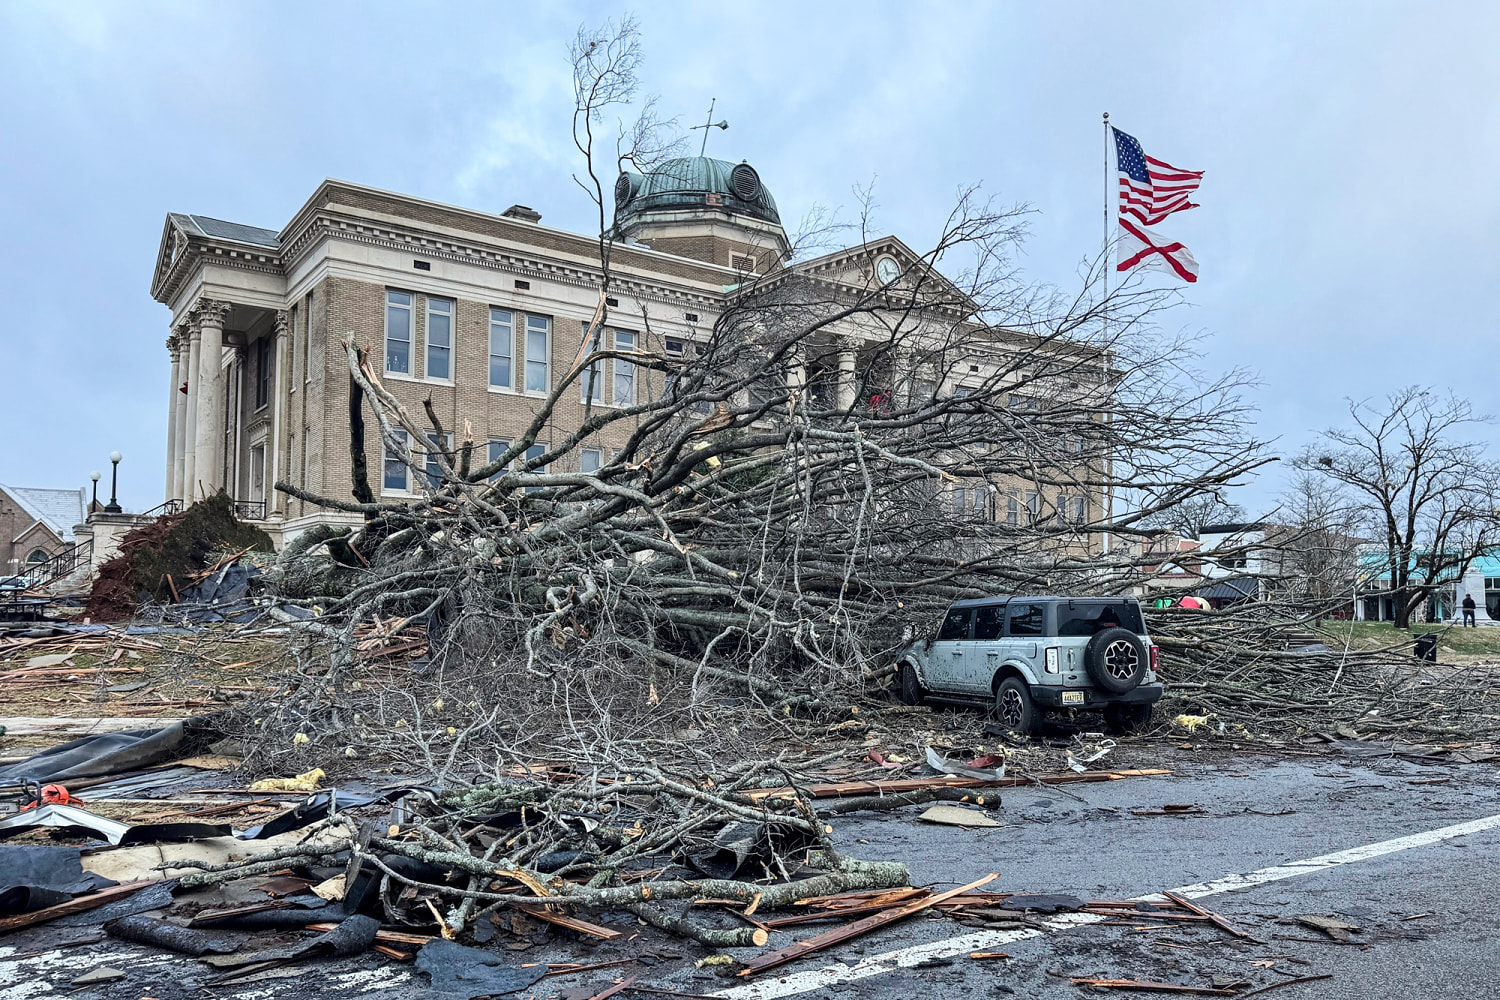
1188 518
1418 485
837 459
1315 544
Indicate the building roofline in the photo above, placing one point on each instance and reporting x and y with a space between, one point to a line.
588 244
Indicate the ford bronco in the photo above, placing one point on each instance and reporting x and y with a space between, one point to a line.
1032 655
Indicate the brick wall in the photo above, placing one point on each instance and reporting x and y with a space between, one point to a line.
715 250
360 307
13 521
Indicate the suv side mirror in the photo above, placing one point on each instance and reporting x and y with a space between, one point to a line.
927 642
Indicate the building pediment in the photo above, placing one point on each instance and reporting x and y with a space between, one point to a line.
189 240
860 270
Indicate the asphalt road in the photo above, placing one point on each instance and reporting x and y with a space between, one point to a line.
1430 926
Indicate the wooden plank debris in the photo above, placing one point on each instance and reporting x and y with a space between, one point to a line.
841 934
571 923
79 904
616 988
841 789
63 725
1151 987
1217 920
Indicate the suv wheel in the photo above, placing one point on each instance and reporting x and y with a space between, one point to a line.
908 688
1014 707
1116 660
1122 720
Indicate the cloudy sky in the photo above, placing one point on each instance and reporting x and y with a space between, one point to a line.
1348 235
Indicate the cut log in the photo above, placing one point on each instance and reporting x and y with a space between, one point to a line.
841 934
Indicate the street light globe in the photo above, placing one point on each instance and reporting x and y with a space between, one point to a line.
94 476
115 456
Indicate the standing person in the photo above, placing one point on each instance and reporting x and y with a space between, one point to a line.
1469 606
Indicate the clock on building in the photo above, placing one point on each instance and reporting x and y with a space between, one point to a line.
887 270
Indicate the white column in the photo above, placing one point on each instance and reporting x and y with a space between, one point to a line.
846 375
189 491
172 394
280 365
180 410
208 441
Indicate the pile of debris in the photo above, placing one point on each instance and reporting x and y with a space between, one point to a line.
197 555
423 874
1266 668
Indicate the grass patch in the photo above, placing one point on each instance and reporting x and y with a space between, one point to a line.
1467 643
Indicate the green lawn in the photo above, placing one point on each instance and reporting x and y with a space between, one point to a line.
1464 643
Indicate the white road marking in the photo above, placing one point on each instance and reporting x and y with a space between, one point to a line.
803 982
31 986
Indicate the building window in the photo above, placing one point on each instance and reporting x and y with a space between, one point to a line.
263 355
1012 510
291 451
981 504
293 318
395 465
1033 506
307 340
533 453
398 332
502 347
1080 510
676 346
591 382
1062 508
498 447
625 341
433 467
591 460
439 338
37 557
306 446
258 472
538 354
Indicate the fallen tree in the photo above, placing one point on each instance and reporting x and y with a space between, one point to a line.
1272 668
779 518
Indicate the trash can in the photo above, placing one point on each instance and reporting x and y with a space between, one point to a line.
1426 647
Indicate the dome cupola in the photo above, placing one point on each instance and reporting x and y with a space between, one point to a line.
696 206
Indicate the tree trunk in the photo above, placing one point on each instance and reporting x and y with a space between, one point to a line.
1402 607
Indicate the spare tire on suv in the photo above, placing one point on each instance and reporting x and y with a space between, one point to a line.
1116 660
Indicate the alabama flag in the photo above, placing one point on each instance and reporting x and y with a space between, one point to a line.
1139 247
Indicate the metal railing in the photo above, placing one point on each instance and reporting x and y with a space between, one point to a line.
65 562
250 510
161 510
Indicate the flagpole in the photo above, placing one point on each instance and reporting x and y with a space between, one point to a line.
1109 511
1106 216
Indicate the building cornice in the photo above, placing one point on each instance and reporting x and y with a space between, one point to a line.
387 234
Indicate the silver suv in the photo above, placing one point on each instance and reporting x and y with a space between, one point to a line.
1035 654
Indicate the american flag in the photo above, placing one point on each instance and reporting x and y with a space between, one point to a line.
1151 189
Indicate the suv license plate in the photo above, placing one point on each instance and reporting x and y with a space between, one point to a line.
1072 698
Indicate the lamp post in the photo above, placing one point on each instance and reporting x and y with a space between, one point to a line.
93 506
114 479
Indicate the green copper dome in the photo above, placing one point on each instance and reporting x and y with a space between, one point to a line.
694 182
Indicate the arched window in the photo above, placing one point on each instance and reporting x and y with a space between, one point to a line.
37 556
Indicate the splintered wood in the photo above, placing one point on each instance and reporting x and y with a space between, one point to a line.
841 934
842 789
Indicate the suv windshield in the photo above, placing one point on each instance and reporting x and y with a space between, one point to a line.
1087 618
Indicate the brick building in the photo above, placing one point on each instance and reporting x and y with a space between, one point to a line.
36 524
481 313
